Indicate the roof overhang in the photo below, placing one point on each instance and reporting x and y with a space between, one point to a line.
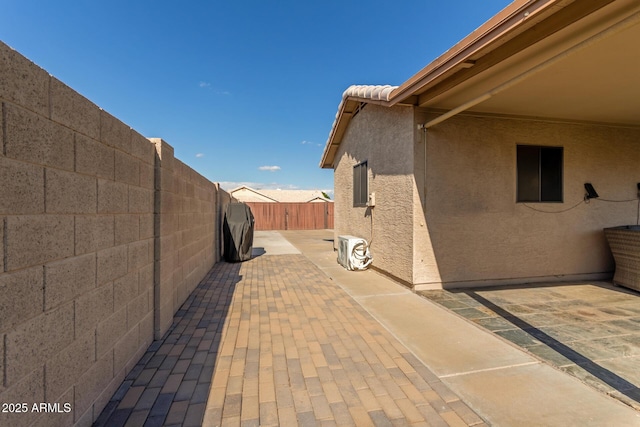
570 60
352 100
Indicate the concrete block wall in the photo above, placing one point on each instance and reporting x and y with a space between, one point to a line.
78 232
185 221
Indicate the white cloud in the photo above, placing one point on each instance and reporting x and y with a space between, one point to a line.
200 155
305 142
232 185
215 90
269 168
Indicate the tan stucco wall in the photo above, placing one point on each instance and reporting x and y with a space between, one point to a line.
478 234
384 138
425 264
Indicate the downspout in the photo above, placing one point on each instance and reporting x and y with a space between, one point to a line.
620 26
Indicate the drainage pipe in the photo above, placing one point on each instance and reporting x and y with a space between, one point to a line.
614 29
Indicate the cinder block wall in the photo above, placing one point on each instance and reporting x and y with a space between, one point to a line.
186 204
79 223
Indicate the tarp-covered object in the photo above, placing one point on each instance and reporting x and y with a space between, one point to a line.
238 232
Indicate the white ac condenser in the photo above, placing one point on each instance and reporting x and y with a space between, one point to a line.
353 253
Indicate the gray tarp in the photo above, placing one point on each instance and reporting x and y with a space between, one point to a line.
238 232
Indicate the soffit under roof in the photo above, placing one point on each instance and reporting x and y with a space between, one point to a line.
597 83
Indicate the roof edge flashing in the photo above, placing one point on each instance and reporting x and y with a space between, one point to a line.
511 18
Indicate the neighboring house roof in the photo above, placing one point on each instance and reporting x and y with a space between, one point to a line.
561 59
248 194
296 196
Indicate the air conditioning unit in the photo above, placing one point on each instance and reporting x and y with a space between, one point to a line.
353 253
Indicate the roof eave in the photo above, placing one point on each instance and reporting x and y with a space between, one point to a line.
451 61
331 145
510 21
503 28
348 106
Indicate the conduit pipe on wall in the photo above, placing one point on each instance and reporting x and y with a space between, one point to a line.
614 29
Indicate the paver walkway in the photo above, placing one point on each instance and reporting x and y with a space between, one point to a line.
274 341
170 384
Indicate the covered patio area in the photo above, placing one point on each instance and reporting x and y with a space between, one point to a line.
590 330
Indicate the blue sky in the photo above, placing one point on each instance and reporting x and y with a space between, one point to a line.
245 91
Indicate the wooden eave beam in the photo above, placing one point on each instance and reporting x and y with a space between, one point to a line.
409 101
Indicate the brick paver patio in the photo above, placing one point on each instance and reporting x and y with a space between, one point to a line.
274 341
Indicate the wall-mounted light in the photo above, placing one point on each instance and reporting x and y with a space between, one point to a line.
591 192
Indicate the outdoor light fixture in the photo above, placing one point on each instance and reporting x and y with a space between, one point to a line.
591 192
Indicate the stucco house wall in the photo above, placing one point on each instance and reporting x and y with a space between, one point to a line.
540 73
478 234
425 264
461 225
384 138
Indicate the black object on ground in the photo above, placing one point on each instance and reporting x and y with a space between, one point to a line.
238 232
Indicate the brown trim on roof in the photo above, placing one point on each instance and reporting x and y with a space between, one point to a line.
450 61
512 43
521 24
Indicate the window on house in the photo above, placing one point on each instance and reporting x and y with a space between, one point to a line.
539 174
360 184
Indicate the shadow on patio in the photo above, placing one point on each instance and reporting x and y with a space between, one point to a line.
171 382
589 330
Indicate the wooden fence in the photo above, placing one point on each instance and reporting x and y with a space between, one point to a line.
292 216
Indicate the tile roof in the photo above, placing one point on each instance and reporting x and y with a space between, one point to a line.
369 92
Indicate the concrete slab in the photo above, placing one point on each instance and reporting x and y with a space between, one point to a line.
363 283
588 329
317 244
537 395
271 243
423 327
